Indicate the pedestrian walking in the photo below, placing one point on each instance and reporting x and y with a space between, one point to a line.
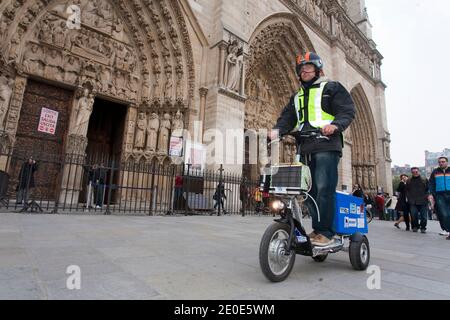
440 193
417 195
402 206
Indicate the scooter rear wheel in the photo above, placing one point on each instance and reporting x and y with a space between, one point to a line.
275 264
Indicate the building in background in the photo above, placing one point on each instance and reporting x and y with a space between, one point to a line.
431 160
120 76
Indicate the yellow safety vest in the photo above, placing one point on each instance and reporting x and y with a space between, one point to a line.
316 116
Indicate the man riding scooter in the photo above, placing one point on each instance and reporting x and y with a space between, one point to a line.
328 106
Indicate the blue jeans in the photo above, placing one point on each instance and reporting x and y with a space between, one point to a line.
419 212
443 210
324 172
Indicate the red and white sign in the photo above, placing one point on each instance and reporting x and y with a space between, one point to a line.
176 147
48 121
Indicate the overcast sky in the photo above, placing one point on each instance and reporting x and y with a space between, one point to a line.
414 38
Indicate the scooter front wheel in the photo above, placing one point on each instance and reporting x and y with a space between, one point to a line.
275 258
359 253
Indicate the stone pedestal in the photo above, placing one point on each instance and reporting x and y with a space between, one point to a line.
73 171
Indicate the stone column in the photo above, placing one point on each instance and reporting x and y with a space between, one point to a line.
222 54
203 94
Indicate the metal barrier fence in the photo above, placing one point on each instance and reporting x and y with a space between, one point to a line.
71 183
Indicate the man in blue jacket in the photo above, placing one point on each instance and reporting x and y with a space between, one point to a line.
439 185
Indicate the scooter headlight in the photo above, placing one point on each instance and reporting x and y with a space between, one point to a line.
278 205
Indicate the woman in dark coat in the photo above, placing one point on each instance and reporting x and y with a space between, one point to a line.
402 205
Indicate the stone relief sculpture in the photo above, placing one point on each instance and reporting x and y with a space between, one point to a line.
32 61
163 141
177 125
72 69
53 65
83 113
152 132
6 89
140 131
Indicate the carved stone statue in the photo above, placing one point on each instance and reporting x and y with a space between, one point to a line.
59 34
140 131
168 85
84 111
177 125
366 182
233 67
6 90
163 141
152 132
372 182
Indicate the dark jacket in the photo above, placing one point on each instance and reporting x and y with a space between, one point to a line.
358 193
220 192
27 174
336 100
368 200
98 176
440 181
402 203
417 191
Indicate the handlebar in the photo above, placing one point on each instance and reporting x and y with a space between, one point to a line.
302 135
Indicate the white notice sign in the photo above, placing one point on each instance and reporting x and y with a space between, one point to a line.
48 121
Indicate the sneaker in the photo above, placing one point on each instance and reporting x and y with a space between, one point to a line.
396 225
423 231
312 235
415 229
408 229
444 233
321 241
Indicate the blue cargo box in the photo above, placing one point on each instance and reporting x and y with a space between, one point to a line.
350 215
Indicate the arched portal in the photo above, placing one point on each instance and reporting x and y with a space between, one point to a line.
271 78
137 53
363 138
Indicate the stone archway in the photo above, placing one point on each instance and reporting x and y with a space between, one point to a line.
136 52
362 135
270 77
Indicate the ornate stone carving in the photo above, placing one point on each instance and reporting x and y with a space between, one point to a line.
6 142
163 139
329 16
152 132
83 112
76 145
177 125
233 66
6 90
141 128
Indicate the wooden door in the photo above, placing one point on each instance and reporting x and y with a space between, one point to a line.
46 148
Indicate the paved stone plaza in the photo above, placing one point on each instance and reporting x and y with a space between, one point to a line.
201 258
